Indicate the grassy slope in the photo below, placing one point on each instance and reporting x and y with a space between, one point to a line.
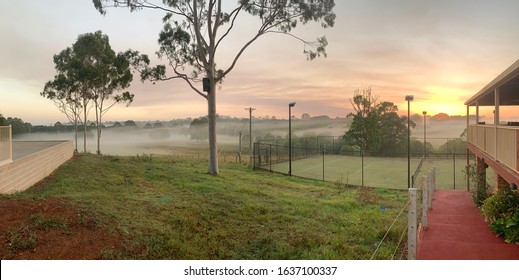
172 209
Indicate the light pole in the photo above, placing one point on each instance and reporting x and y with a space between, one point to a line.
424 134
409 98
290 105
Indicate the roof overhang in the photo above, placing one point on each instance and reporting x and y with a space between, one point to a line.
508 85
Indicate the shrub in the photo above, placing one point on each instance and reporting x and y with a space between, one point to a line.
481 190
502 211
348 150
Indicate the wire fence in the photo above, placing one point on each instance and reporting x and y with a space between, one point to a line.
6 145
401 248
222 157
420 202
400 243
324 158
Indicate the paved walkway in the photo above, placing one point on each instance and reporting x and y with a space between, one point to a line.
24 148
457 231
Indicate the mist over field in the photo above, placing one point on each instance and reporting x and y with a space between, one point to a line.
178 138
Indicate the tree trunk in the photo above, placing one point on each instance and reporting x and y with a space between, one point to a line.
98 122
98 139
84 126
75 133
211 117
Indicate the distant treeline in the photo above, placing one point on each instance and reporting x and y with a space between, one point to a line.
17 124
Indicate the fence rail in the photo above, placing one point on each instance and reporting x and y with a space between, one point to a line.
6 145
222 158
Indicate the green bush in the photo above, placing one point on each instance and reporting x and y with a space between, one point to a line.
348 149
481 190
502 211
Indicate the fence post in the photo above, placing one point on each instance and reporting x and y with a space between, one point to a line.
11 142
254 155
454 169
411 225
433 187
362 166
425 201
324 148
270 157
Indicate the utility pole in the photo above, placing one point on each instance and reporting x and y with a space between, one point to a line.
250 130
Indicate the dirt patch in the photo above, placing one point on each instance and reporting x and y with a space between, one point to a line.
51 229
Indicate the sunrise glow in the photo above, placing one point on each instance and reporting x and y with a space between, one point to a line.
423 48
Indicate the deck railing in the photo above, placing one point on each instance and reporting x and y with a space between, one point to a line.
6 145
500 144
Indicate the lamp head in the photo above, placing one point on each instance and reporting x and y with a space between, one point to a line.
409 98
424 113
291 104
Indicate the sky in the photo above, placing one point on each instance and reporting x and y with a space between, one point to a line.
441 51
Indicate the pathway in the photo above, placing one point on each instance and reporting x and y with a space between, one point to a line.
457 231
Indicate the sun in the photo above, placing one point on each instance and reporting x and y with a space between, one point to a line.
441 100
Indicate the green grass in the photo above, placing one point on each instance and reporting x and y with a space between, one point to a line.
172 209
379 172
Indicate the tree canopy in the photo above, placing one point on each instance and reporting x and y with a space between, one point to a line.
18 126
191 39
89 71
376 126
198 129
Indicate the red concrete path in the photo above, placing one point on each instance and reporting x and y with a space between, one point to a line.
457 231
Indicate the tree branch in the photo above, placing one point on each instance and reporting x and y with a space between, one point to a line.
235 60
217 24
198 36
235 12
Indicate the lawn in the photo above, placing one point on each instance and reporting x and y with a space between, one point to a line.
168 208
379 172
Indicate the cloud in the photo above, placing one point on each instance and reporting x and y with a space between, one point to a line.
440 51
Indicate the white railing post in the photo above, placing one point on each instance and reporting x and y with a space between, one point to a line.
1 144
429 189
10 143
433 187
425 201
6 145
411 225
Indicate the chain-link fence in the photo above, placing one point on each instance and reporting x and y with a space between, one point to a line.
324 158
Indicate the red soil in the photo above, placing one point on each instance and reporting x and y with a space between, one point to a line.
51 229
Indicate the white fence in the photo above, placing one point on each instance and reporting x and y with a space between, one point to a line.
413 217
30 169
501 144
6 145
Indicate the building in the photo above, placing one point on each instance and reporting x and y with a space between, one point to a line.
496 145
